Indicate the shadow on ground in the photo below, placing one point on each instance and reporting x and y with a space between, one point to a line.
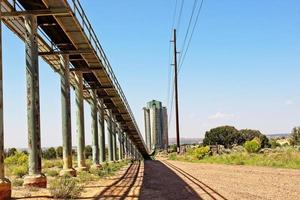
162 183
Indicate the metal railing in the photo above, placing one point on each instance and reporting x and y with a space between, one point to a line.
94 42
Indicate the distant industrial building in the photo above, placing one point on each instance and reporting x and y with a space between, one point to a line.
156 125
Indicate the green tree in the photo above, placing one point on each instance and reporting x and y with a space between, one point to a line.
88 151
59 152
223 135
295 136
250 134
49 153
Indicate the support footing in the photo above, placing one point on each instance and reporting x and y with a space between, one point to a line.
68 172
5 189
38 180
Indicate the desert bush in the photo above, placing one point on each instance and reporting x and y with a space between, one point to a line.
88 151
51 172
11 152
17 182
201 152
19 171
83 176
18 158
173 156
49 153
273 143
250 134
52 163
17 164
65 188
252 146
59 152
295 136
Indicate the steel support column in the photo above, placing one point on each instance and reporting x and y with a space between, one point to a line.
35 178
110 136
101 133
66 118
5 185
114 141
95 144
120 144
80 123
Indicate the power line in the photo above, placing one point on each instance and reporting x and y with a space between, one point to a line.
188 28
190 39
179 17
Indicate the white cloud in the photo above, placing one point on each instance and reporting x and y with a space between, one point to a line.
220 115
289 102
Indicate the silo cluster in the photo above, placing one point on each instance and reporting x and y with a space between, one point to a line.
156 125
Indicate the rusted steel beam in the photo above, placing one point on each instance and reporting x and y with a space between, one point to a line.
35 178
101 133
66 118
80 122
69 52
94 115
43 12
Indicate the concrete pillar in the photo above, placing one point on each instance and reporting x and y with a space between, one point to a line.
147 128
101 133
114 141
5 185
95 142
110 137
66 118
35 177
80 123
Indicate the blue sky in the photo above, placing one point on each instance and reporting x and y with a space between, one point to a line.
242 67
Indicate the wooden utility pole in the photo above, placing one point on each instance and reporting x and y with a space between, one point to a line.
176 93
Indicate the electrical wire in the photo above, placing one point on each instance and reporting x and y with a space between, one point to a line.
181 61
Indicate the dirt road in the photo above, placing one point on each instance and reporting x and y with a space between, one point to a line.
238 182
173 180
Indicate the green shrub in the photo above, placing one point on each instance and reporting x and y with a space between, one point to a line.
19 158
252 146
52 163
51 172
65 188
19 171
200 152
17 164
173 156
83 176
11 152
49 153
88 151
17 182
59 152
